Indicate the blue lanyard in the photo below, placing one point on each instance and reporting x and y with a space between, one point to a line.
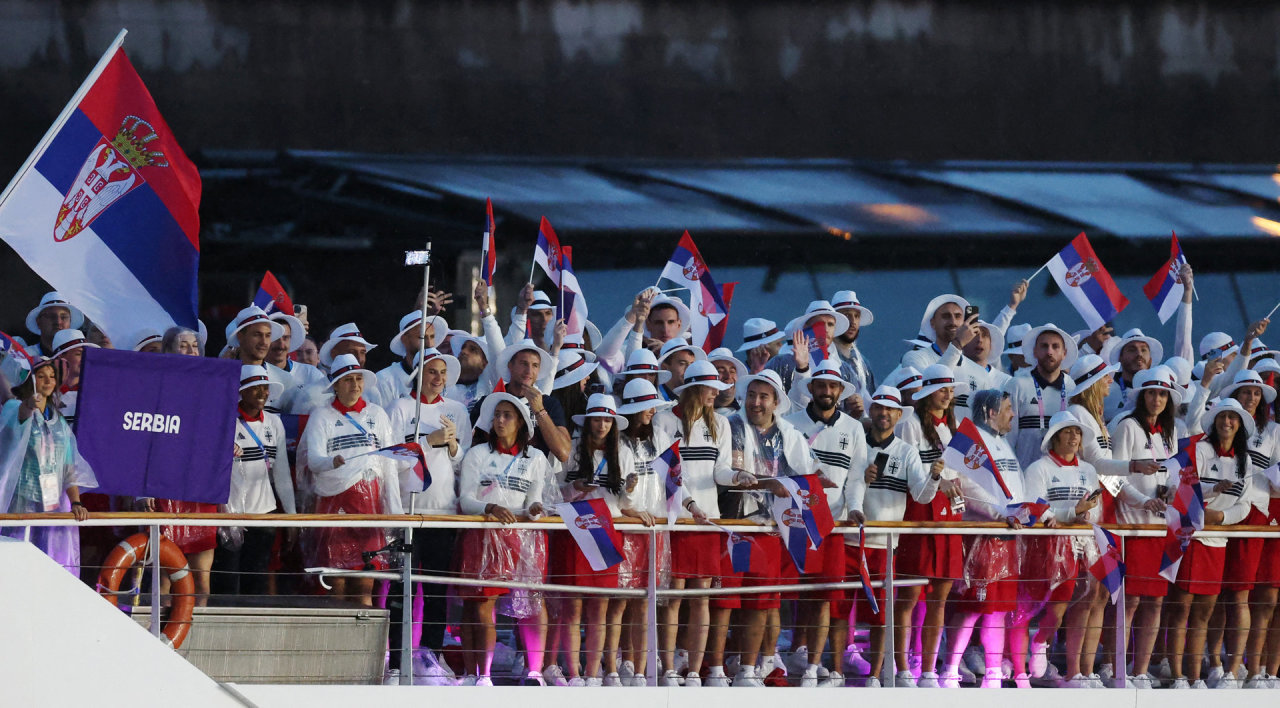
359 427
599 468
253 435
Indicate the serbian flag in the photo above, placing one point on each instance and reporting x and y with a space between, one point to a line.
591 526
803 517
547 253
716 332
573 308
818 353
1165 288
739 548
106 207
1109 568
271 296
686 269
968 451
488 246
667 466
863 574
411 451
1185 514
1028 513
1086 283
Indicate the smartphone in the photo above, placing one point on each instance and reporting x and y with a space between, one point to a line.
1094 494
881 462
970 312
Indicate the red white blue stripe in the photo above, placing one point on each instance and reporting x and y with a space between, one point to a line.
409 451
574 307
667 466
1165 288
1185 514
1109 568
803 518
968 451
591 526
687 269
863 574
1087 285
488 245
547 253
271 296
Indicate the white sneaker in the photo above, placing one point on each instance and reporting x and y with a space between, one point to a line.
928 679
1107 672
468 680
835 679
747 678
670 678
854 660
1164 671
577 681
1022 681
1181 684
1078 681
949 680
682 660
994 678
692 680
1144 681
554 676
1006 669
637 681
1199 684
1242 673
626 669
774 661
1039 658
1051 675
732 663
534 678
798 661
1095 681
809 678
1229 681
716 678
915 664
965 675
904 679
484 681
1256 681
596 681
1215 675
392 678
871 682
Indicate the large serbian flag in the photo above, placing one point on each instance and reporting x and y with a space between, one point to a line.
106 207
1086 283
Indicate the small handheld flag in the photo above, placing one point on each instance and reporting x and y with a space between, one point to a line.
1109 568
968 451
687 269
407 451
591 526
1165 288
573 304
1185 514
271 296
547 253
803 518
667 466
10 347
817 332
739 552
488 245
863 574
1028 513
716 333
1087 285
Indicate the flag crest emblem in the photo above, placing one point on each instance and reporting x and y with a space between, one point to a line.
1081 273
588 521
109 172
976 457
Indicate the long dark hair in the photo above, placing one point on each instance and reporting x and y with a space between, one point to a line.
930 433
522 432
1260 413
573 400
613 473
640 432
1165 420
1239 444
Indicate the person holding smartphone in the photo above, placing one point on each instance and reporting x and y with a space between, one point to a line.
1070 484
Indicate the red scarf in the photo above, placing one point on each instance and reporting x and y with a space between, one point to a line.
938 421
359 406
1063 463
245 416
428 403
513 450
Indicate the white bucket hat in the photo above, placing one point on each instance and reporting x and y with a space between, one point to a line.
1060 420
1157 378
1267 365
410 322
1245 378
297 332
1216 345
642 361
757 332
1115 345
671 346
682 310
67 339
903 378
887 396
601 405
345 365
541 301
702 373
1181 369
145 336
484 421
848 300
571 368
1228 405
830 371
527 345
578 343
723 354
452 369
933 379
640 395
772 378
818 308
54 299
926 325
458 338
1068 343
1087 371
254 375
348 332
1259 350
997 337
1013 338
249 316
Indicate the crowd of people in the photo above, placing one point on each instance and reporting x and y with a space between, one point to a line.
513 423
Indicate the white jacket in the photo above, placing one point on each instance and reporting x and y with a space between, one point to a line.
1033 406
442 496
839 450
650 493
259 467
704 461
492 477
885 499
331 434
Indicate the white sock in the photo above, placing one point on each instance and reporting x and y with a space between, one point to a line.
715 671
813 668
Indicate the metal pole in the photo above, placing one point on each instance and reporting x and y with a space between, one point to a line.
406 599
1122 633
651 613
422 346
887 668
153 547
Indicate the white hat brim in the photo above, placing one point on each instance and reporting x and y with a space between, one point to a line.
484 421
452 370
77 317
1086 384
748 346
784 401
397 347
326 350
370 379
274 388
662 374
1068 343
717 385
619 421
1268 393
1153 346
297 333
1206 421
847 391
504 359
574 376
1053 430
926 322
842 322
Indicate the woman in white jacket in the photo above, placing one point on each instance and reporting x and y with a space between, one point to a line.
344 478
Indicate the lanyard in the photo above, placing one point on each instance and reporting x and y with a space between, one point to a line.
254 435
1062 401
359 427
599 468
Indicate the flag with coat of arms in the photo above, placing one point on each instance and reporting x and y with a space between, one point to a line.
687 269
1087 285
591 526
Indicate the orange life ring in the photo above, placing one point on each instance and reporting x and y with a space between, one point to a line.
182 585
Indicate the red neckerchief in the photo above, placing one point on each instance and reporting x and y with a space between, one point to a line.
1063 463
513 450
676 410
1156 429
359 406
938 421
1223 453
245 416
68 389
426 402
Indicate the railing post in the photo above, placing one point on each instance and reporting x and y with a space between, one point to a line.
888 671
1122 633
651 613
406 609
153 547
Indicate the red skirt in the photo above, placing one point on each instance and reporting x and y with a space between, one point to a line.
931 555
634 571
190 539
824 565
696 554
496 554
877 559
1201 569
1049 570
766 569
994 573
1142 567
345 547
1269 567
1244 556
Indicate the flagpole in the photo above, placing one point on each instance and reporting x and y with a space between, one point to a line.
422 344
406 630
65 115
1033 275
1273 311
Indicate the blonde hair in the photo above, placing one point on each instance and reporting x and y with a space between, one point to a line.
689 402
1092 400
